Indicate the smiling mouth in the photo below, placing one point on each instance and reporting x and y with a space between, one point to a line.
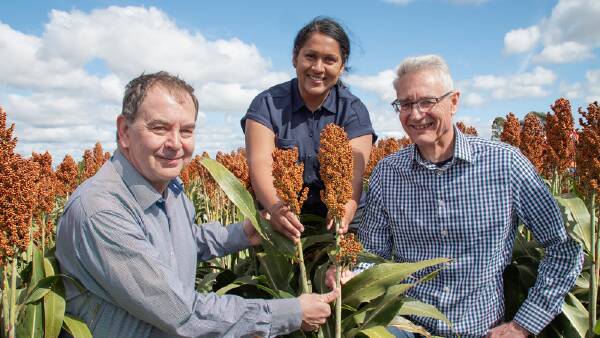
169 159
316 78
422 126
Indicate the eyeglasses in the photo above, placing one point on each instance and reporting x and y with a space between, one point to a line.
423 105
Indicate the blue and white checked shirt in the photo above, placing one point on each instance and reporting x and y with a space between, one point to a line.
468 210
135 252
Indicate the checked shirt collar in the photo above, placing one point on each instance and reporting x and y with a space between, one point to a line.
462 151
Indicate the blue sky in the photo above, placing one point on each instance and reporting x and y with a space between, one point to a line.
64 64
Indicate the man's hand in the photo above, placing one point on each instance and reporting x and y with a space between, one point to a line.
349 211
253 235
283 220
508 330
330 277
316 309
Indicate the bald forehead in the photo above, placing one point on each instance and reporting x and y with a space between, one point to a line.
181 96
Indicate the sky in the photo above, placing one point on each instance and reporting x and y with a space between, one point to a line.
64 64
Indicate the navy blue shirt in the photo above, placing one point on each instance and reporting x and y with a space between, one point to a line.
281 109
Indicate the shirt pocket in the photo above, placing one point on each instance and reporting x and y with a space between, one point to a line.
290 143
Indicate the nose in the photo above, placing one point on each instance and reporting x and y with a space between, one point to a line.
173 141
317 66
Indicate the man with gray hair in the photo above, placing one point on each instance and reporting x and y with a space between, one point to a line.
462 197
128 236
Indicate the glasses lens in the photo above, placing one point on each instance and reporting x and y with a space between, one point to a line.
426 105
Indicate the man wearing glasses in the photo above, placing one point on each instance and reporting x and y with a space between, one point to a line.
449 195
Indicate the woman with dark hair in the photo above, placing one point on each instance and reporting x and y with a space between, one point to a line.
293 113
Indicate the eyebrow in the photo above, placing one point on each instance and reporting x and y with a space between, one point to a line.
157 122
419 99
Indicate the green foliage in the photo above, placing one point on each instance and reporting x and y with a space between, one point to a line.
371 300
243 200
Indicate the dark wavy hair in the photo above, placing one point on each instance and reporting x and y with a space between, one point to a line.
326 26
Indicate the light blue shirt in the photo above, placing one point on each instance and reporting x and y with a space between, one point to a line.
136 252
468 210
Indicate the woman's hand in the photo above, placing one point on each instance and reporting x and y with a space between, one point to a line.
283 220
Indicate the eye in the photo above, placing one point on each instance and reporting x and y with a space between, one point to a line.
330 60
405 105
310 56
187 132
159 129
427 103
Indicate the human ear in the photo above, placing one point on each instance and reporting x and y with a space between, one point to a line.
122 132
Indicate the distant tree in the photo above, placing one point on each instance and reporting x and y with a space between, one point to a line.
497 127
540 115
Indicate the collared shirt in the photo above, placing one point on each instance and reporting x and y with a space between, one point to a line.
135 251
468 210
281 109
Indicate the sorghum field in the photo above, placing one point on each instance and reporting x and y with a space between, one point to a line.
33 192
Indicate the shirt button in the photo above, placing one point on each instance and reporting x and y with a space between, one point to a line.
446 289
439 172
444 232
310 134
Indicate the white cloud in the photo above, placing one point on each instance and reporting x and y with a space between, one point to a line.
593 85
47 83
565 52
571 91
472 100
573 20
489 81
528 84
569 34
225 97
521 40
380 84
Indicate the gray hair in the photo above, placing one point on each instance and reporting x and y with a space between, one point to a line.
428 62
136 90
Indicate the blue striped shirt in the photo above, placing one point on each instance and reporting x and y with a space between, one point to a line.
136 251
468 210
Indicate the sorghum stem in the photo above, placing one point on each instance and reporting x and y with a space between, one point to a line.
338 284
13 299
595 265
303 278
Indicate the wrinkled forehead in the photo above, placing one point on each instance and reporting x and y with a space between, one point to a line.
420 84
180 95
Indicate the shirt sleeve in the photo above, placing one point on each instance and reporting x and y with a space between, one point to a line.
215 240
358 123
114 251
259 112
374 231
562 262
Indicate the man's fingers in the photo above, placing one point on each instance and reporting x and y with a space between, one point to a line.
330 296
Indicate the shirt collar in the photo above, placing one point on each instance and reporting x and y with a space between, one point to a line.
329 104
462 151
143 192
